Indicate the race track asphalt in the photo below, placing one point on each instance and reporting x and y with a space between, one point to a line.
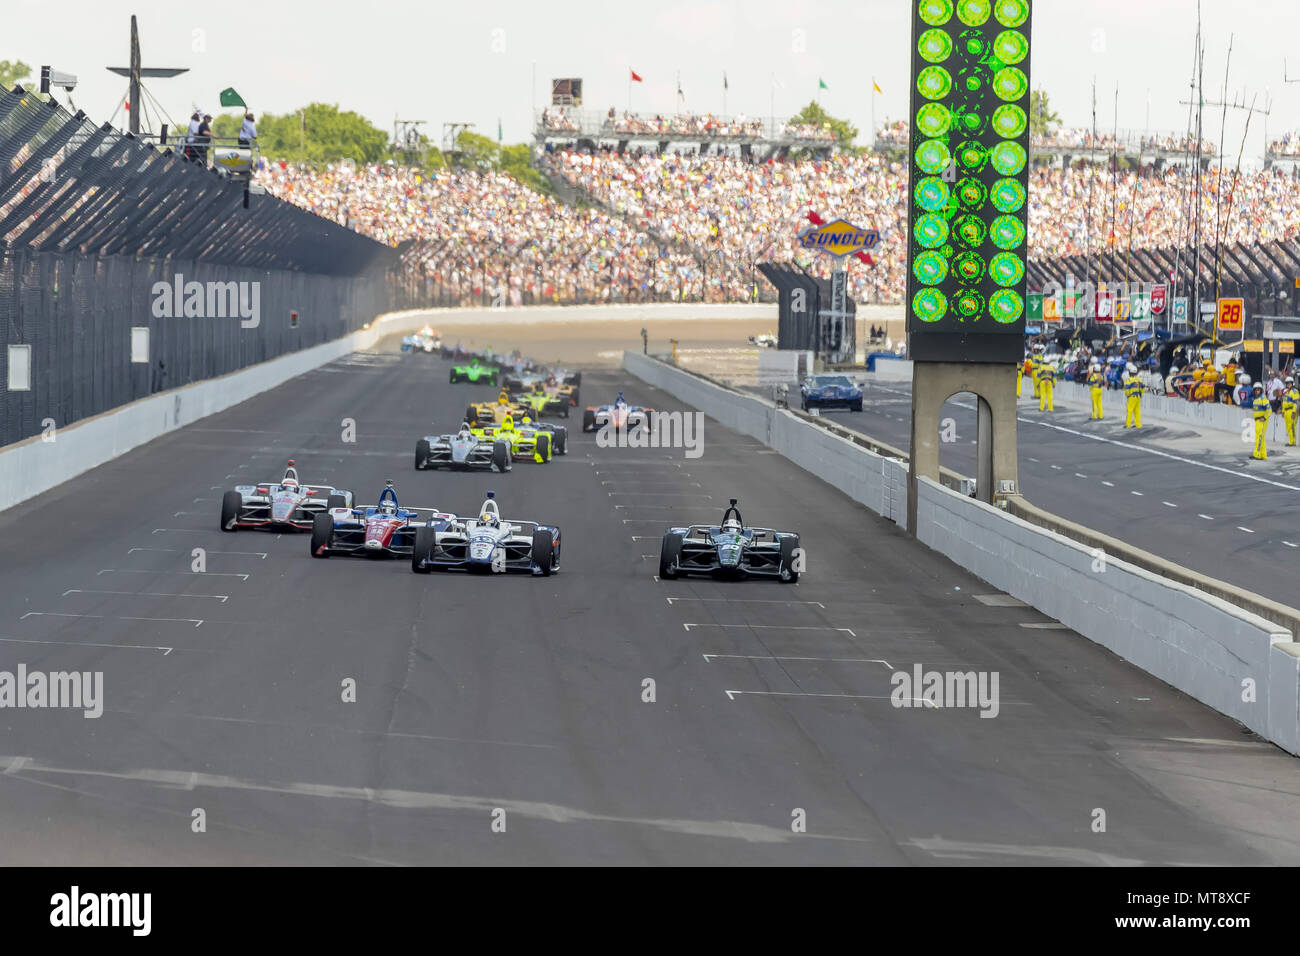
524 700
1191 496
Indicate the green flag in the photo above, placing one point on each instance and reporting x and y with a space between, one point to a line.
230 98
821 84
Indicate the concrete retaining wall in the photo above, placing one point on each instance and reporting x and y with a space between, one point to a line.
1206 647
1229 658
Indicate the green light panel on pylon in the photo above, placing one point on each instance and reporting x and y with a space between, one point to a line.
969 157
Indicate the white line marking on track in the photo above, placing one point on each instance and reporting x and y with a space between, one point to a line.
1109 484
1046 626
1247 530
220 597
138 647
772 657
654 494
186 530
776 627
210 574
1078 475
1206 517
1138 493
1169 504
1290 545
742 601
733 694
176 620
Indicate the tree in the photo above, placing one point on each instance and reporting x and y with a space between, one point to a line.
318 133
12 73
1042 121
814 115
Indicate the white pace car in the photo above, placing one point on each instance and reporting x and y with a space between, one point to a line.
462 451
488 543
284 505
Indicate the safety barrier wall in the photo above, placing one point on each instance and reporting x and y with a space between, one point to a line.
1220 654
1229 658
34 465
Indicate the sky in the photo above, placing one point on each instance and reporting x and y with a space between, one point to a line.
481 63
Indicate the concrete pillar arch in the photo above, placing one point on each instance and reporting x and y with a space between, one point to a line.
933 383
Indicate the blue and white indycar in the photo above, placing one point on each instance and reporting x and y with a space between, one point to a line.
381 530
830 391
462 451
488 543
731 549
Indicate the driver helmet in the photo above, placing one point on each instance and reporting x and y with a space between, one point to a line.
731 524
387 507
489 518
525 420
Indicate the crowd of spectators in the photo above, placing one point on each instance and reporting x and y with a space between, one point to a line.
894 134
705 125
1288 145
557 121
489 238
809 132
665 225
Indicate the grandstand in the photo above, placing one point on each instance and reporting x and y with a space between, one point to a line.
561 127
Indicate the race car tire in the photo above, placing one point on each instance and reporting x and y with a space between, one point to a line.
421 453
576 378
786 571
546 552
856 406
335 501
232 502
425 538
544 446
669 554
471 415
565 413
322 531
492 379
454 379
589 421
573 400
562 440
501 456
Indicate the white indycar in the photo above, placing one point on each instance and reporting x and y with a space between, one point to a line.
462 451
488 543
281 505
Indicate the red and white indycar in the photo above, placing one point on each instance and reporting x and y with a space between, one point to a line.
284 505
620 416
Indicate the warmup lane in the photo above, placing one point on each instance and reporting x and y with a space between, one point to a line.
1208 508
524 700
